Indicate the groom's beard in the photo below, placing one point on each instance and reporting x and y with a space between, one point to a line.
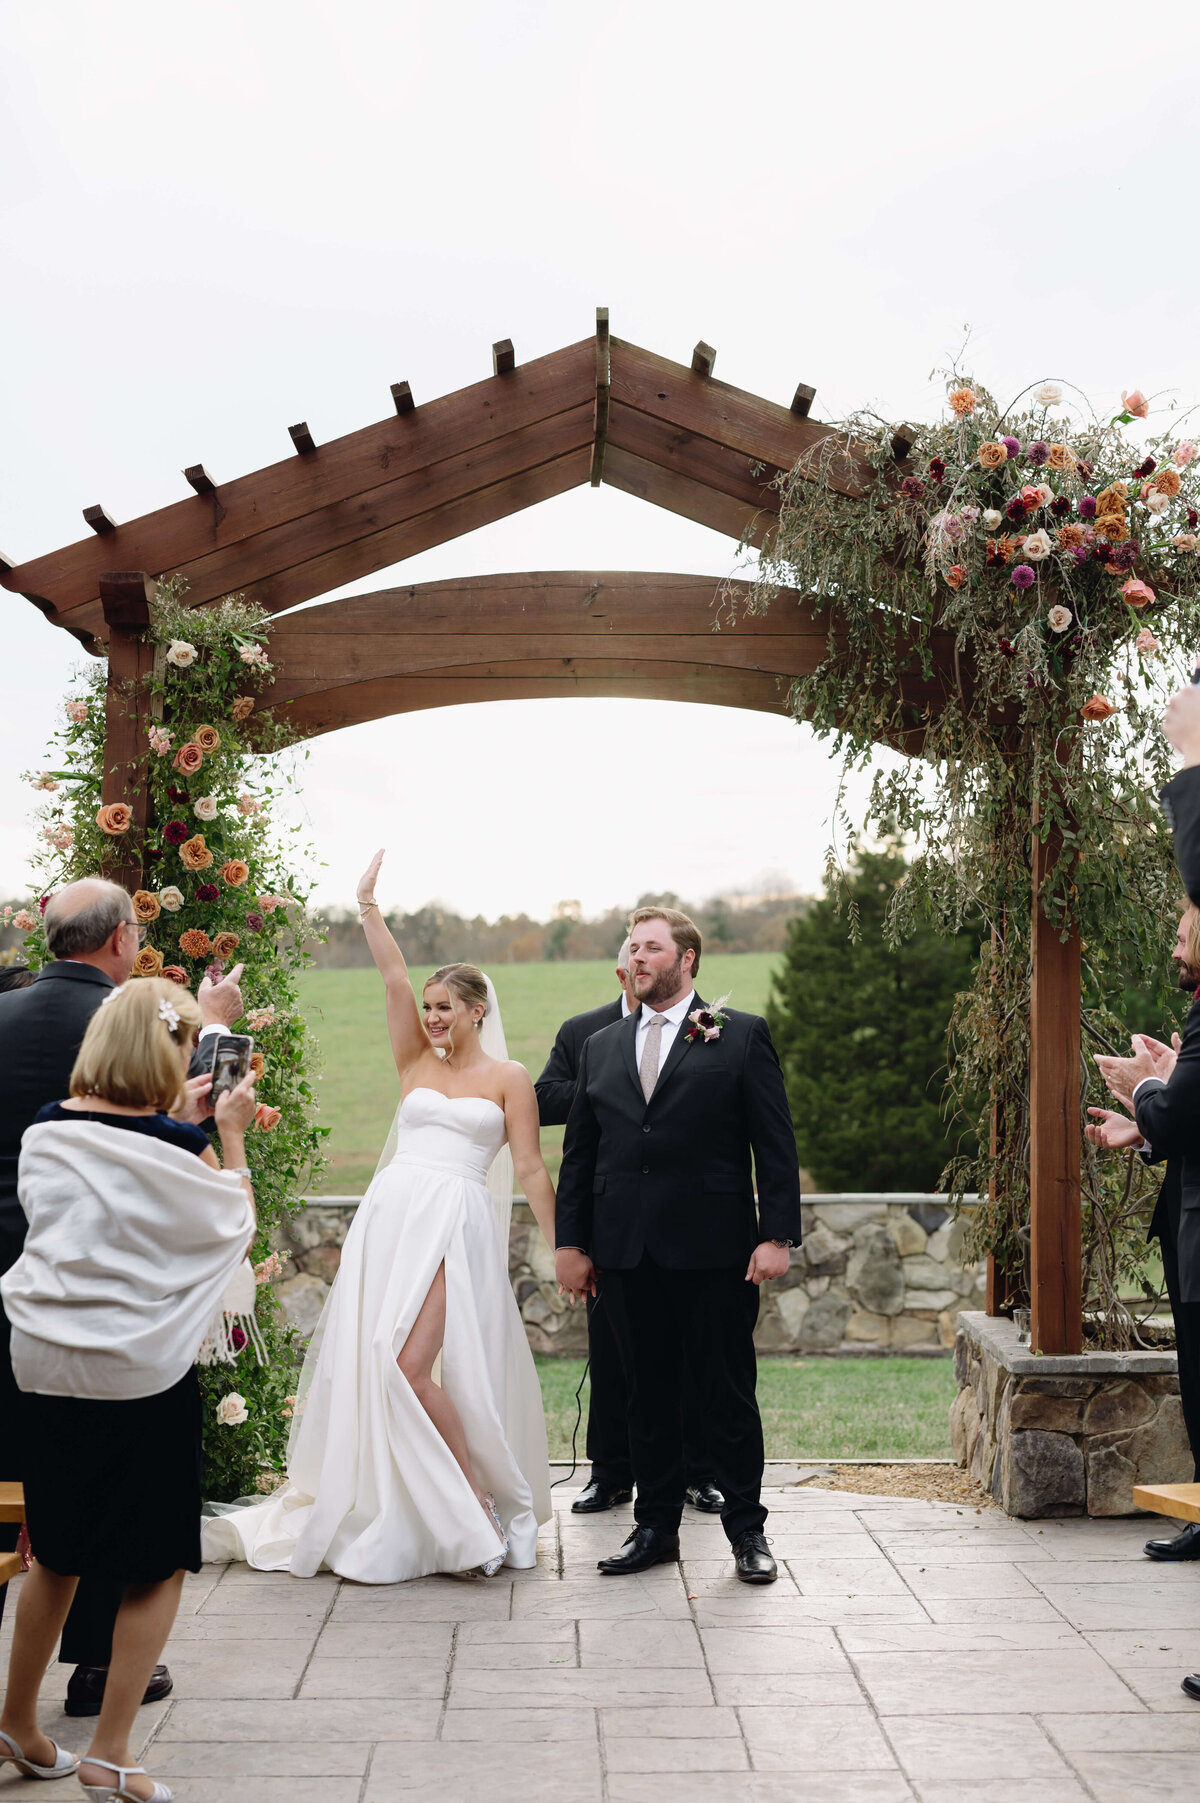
668 983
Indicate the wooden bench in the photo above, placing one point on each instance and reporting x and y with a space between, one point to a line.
12 1508
1180 1500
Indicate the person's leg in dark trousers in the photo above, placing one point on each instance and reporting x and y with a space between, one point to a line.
643 1309
1187 1339
608 1409
720 1310
697 1459
10 1399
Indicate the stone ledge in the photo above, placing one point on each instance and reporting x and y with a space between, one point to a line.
996 1335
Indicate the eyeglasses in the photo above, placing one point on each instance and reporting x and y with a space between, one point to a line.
141 931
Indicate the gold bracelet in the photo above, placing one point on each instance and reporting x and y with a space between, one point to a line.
366 909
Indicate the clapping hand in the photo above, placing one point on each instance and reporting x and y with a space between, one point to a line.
1115 1133
1181 723
1123 1075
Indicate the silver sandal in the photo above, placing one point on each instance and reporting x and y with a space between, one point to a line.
489 1567
117 1793
64 1763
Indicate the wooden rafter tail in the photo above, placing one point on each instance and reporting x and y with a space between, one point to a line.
198 478
603 409
127 596
903 442
703 359
7 566
99 521
802 400
302 438
402 398
504 358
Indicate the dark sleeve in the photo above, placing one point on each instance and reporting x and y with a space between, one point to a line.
772 1139
1168 1114
184 1134
573 1210
1181 804
555 1088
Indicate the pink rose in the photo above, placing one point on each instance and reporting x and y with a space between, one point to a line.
266 1118
1146 642
1184 453
1136 593
1135 403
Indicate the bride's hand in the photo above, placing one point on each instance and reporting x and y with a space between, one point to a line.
366 882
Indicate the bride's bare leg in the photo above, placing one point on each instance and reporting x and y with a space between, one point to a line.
416 1359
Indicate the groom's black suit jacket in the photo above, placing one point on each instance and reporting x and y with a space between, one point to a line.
672 1177
555 1088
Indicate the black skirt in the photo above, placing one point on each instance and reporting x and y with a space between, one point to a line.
112 1489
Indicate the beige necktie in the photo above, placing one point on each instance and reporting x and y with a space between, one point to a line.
648 1068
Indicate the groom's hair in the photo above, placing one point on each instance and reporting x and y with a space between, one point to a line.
684 930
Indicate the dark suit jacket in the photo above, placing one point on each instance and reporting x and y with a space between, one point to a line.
555 1088
1180 800
672 1177
1168 1115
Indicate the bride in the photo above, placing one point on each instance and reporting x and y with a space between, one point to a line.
394 1470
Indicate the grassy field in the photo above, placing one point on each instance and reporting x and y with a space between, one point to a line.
358 1086
868 1408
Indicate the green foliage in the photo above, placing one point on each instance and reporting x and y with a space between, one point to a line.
860 1028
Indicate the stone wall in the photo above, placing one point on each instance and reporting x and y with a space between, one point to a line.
875 1273
1064 1436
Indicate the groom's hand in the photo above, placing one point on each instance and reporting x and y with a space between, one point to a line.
767 1260
575 1272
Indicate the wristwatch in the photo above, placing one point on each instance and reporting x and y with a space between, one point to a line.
784 1245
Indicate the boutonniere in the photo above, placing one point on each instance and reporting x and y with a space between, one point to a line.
706 1023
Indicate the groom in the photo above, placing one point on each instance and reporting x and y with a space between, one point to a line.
656 1217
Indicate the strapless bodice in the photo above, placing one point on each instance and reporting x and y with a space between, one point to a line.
456 1133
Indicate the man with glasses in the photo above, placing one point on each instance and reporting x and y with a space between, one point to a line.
93 940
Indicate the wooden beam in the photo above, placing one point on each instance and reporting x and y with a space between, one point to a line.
504 358
302 438
6 564
199 478
99 521
702 459
1055 1131
903 442
703 358
803 399
402 398
125 596
603 396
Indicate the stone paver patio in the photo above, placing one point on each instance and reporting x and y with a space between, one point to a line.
909 1650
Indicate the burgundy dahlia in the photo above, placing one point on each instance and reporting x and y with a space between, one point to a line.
1147 468
1060 506
1038 452
1023 576
1007 648
1193 518
1012 446
43 903
913 487
178 795
1102 553
255 923
175 832
1125 556
153 851
1016 509
937 469
237 1338
208 892
1087 507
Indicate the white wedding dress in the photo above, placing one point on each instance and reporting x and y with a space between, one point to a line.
374 1492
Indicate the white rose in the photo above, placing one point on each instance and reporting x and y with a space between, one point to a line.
1059 618
181 654
205 808
1047 394
1157 503
232 1410
992 518
1045 494
1037 547
171 899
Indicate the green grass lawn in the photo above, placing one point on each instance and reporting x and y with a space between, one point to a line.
358 1086
869 1408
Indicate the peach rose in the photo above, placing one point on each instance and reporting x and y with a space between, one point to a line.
248 806
1112 498
243 707
77 711
1060 458
1135 403
208 738
267 1118
1098 708
1168 482
1136 593
991 454
24 921
1184 454
1184 541
115 817
195 943
148 962
1146 643
188 758
175 973
146 907
194 853
224 945
234 873
258 1065
962 401
1111 526
955 575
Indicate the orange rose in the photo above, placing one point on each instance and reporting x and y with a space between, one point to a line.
1098 708
962 402
258 1065
148 962
991 454
243 707
1168 482
1112 499
1112 527
1136 593
224 946
174 973
1060 458
195 943
189 758
955 575
266 1118
116 817
1069 536
194 853
208 738
146 907
234 872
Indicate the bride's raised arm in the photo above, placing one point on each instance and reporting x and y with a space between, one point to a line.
405 1031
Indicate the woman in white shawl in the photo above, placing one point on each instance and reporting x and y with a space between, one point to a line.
133 1236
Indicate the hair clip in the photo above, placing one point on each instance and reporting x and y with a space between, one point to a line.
170 1014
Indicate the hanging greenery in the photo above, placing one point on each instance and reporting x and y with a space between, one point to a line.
1046 566
220 889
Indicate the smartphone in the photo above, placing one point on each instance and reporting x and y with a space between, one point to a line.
230 1062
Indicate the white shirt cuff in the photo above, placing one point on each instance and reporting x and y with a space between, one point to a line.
214 1026
1142 1085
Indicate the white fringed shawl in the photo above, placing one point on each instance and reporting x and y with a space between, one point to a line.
131 1245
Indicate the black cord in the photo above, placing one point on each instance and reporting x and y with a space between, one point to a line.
587 1365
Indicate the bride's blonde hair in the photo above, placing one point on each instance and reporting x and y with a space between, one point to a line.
466 982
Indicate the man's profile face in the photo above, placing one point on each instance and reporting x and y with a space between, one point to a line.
658 970
1185 970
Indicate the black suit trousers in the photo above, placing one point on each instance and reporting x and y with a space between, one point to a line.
608 1448
693 1328
1187 1342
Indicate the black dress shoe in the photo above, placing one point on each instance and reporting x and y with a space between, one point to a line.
645 1547
705 1497
1185 1545
85 1688
596 1496
754 1563
1192 1685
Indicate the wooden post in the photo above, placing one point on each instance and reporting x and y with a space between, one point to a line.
126 596
1054 1126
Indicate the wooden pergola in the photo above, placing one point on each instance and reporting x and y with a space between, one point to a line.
598 411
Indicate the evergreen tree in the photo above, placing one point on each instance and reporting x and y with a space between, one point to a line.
860 1028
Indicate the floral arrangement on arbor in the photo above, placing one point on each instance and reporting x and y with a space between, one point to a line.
1058 551
217 891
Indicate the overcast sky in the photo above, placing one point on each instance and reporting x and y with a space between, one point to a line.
219 219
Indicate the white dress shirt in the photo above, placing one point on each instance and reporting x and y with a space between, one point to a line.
674 1018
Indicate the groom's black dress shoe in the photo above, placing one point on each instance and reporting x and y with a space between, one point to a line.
645 1547
705 1497
85 1688
1185 1545
754 1563
596 1496
1191 1684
